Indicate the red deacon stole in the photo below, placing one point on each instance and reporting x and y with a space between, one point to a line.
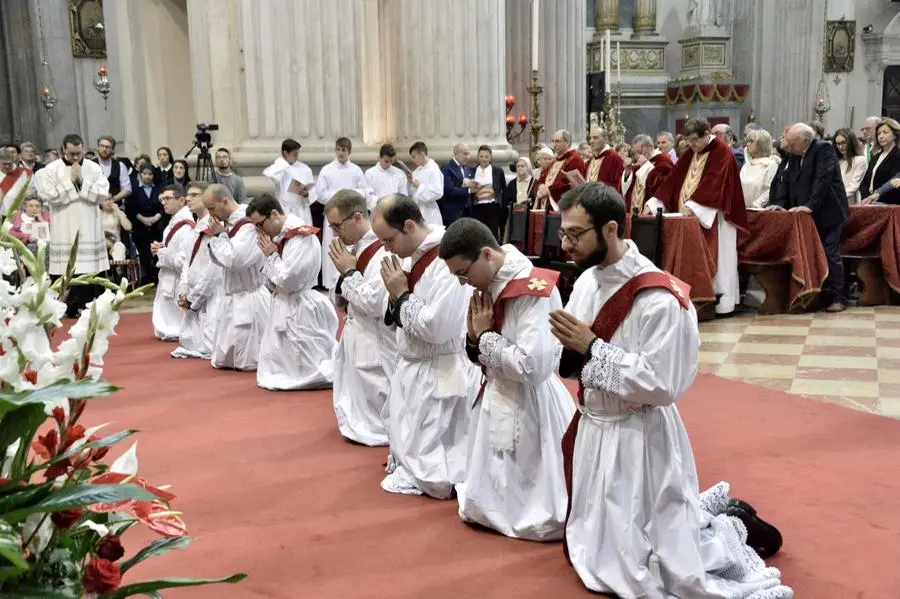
174 229
418 269
539 283
238 225
291 233
197 243
606 323
365 256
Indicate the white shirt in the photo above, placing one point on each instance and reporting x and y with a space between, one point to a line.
385 182
853 176
756 179
239 256
124 179
335 176
430 190
484 175
282 174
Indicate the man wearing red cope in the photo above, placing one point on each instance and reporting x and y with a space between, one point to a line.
555 181
650 169
606 166
706 183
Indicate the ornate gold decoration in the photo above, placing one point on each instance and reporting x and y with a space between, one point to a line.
86 28
536 284
593 172
677 288
840 42
692 179
554 171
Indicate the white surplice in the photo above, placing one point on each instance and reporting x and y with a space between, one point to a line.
282 174
245 305
167 314
427 404
430 190
74 211
201 284
514 476
298 345
639 527
385 182
334 177
366 354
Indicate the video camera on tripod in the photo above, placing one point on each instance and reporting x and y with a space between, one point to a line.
202 142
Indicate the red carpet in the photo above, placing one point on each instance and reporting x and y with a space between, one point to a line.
269 488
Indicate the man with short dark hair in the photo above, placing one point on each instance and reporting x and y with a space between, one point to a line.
427 403
113 169
385 178
637 524
227 177
365 356
606 166
514 481
244 313
293 181
457 182
487 185
300 334
171 254
426 184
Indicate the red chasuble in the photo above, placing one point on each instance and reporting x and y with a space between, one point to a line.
607 168
710 178
555 177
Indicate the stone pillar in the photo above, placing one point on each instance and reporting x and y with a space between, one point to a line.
444 98
22 116
563 67
518 63
645 17
607 15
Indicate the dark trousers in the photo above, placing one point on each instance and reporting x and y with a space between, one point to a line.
490 215
78 296
833 287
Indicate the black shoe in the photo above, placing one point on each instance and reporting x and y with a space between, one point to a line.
764 538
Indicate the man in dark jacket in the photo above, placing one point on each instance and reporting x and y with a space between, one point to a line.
457 177
811 182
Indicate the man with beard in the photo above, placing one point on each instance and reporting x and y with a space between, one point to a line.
606 166
171 254
113 169
514 479
200 286
365 357
427 403
637 524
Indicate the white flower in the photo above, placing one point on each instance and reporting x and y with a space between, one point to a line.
7 262
127 463
42 538
100 529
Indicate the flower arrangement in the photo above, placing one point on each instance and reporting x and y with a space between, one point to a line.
62 510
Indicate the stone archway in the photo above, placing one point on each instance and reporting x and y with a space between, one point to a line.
882 50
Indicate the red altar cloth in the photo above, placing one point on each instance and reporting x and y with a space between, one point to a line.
874 232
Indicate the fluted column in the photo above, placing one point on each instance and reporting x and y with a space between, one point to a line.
607 15
644 17
518 61
441 96
563 66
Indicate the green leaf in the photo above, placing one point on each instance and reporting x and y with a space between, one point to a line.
142 588
21 423
64 389
157 547
24 593
25 496
99 443
78 496
11 546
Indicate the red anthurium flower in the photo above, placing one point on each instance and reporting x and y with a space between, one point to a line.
117 478
46 444
159 518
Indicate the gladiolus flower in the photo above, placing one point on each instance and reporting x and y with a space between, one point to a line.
30 375
74 433
46 444
59 415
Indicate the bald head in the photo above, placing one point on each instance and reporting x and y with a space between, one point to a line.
868 128
798 138
218 200
598 140
461 153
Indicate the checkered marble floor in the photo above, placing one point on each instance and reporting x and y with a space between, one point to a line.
850 359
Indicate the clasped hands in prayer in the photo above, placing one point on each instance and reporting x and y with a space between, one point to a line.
155 247
773 208
394 278
265 243
341 256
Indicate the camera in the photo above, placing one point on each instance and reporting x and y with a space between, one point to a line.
202 137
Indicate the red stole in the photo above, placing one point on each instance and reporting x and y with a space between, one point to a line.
238 225
662 167
556 179
197 243
291 233
719 185
605 324
365 256
418 269
174 229
10 181
606 168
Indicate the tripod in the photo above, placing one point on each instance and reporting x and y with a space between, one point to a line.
204 171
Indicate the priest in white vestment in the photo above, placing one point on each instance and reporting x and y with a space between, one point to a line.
338 174
171 254
199 287
426 184
638 525
293 180
514 480
384 178
244 313
367 352
427 405
300 336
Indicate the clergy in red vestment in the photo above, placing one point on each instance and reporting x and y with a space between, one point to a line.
706 183
606 166
650 169
555 181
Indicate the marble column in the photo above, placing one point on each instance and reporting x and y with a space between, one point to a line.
518 63
644 17
607 15
22 117
563 67
446 91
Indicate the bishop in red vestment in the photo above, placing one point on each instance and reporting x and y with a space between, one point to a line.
651 169
553 182
706 183
606 166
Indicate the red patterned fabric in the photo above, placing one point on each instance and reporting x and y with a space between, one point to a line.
874 232
570 161
302 230
606 168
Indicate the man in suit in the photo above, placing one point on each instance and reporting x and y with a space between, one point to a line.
726 135
812 183
457 176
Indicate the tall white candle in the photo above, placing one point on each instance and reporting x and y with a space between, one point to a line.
608 63
535 12
618 65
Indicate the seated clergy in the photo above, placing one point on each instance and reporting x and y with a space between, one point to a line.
365 356
427 404
514 480
299 338
171 254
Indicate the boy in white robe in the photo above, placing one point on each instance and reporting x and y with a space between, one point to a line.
338 174
293 181
299 340
171 254
638 525
427 404
245 304
199 287
384 178
365 356
426 184
514 478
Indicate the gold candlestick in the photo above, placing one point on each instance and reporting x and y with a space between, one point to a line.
536 127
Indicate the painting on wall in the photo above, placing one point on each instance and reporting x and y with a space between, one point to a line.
840 41
86 28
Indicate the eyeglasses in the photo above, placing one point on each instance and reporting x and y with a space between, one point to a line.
260 224
337 226
464 276
572 238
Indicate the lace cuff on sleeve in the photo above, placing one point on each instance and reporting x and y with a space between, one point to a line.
490 344
409 313
603 368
